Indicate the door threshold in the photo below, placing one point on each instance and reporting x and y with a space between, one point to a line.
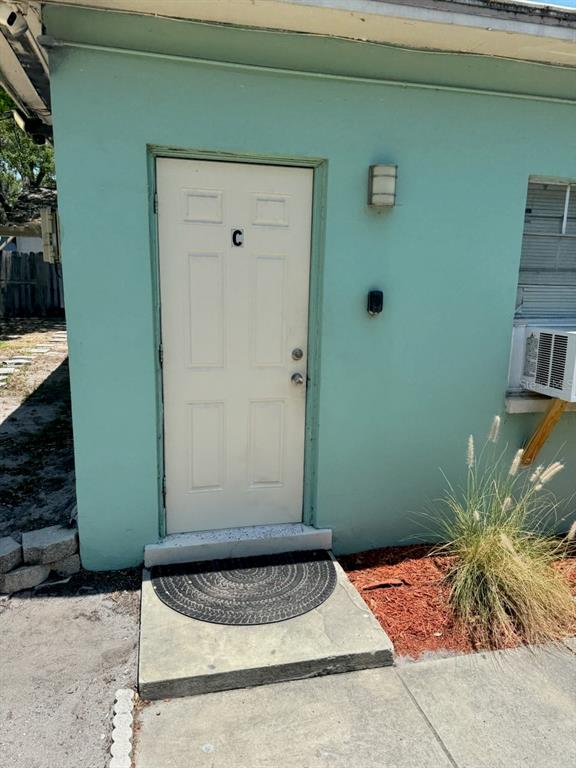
236 542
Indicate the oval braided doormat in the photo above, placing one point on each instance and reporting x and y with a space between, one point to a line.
248 590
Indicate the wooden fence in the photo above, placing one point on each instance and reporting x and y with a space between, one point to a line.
29 286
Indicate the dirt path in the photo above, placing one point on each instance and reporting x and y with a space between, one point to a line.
36 451
63 654
65 649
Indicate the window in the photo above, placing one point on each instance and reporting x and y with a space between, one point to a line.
547 279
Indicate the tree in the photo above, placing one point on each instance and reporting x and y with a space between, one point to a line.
6 102
24 166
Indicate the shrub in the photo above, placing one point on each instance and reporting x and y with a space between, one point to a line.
503 585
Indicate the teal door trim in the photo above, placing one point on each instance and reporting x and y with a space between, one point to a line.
320 167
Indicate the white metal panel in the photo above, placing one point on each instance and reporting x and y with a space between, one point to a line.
205 310
231 317
205 439
266 442
203 206
269 311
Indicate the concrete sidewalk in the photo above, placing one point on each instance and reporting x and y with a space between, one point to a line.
510 709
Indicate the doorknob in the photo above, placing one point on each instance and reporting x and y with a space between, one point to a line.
297 378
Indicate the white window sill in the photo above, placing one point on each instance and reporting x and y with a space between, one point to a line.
530 404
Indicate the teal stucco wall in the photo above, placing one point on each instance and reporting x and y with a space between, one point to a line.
398 395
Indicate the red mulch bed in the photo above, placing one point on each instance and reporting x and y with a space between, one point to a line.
404 588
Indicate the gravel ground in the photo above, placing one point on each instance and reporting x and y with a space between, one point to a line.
64 651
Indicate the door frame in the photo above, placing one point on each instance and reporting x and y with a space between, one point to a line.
317 244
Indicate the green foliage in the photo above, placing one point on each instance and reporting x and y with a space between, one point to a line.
24 166
503 584
6 102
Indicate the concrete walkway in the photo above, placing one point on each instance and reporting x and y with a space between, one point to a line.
180 656
511 709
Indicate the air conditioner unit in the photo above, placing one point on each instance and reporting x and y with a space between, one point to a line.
550 363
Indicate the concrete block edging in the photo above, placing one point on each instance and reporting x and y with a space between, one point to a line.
122 729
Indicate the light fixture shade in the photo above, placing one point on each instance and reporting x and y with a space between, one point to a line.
382 186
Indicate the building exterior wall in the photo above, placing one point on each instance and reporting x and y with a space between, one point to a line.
399 394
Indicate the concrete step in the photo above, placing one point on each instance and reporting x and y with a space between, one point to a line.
180 656
236 542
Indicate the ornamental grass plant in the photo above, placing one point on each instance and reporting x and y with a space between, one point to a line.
502 580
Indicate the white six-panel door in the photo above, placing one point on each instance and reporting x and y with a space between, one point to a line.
234 244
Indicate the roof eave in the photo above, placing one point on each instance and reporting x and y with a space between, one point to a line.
524 31
499 28
24 70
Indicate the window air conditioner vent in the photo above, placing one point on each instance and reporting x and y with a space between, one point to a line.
550 363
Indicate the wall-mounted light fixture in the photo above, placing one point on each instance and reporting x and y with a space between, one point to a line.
382 186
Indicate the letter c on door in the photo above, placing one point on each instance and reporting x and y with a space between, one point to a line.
237 237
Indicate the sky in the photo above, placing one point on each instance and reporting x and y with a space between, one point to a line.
560 3
563 3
